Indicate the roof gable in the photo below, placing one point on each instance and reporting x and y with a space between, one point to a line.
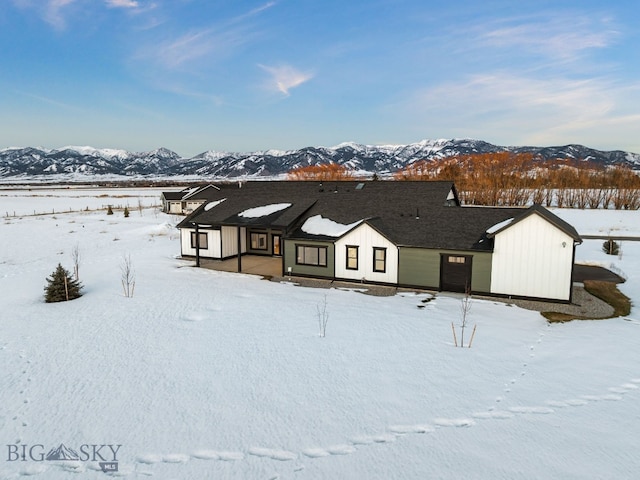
545 214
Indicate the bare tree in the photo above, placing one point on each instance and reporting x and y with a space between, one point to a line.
75 256
323 316
465 308
128 276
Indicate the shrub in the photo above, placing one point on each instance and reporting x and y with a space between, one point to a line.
126 212
109 210
61 286
611 247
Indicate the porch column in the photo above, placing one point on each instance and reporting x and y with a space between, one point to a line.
197 246
239 251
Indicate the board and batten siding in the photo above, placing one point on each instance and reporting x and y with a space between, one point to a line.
532 258
420 267
230 241
366 238
213 243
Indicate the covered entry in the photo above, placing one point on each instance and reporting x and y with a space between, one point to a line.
455 272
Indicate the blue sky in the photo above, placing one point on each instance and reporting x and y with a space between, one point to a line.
195 75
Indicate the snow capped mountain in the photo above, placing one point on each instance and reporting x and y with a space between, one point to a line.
84 161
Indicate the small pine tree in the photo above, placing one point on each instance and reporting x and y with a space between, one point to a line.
109 210
611 247
61 286
126 212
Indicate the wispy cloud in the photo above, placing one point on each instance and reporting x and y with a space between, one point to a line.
218 40
285 77
50 101
556 35
122 3
525 109
54 12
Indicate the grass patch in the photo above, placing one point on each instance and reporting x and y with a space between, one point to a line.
605 291
608 291
557 317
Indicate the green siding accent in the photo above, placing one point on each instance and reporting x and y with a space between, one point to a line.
420 267
290 259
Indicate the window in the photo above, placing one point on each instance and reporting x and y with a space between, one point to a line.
379 259
258 241
204 240
352 257
308 255
457 259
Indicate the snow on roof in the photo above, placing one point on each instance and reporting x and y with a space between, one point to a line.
499 226
318 225
210 205
264 210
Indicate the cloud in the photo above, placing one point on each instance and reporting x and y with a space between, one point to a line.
524 109
563 36
122 3
285 77
53 12
219 40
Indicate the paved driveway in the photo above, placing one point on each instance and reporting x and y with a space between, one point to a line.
590 272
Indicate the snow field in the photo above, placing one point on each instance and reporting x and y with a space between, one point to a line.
206 374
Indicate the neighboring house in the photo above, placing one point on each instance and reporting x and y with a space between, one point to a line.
411 234
187 200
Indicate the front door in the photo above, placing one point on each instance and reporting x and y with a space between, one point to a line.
276 242
455 272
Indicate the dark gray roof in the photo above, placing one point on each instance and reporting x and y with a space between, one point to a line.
407 213
173 195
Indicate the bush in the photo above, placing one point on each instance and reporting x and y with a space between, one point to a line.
126 212
109 210
611 247
61 286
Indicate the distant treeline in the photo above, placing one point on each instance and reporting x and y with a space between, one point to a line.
510 179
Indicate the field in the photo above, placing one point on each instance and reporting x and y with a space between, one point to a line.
205 374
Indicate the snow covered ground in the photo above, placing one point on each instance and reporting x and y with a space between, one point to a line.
207 374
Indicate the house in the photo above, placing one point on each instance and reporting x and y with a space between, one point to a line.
186 200
409 234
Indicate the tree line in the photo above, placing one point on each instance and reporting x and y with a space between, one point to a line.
513 179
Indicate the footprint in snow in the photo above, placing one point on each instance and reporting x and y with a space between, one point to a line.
536 410
575 402
454 422
217 455
282 455
404 429
494 414
315 452
341 449
175 458
149 458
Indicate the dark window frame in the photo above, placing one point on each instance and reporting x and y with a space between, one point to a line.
308 263
259 235
383 260
204 240
348 249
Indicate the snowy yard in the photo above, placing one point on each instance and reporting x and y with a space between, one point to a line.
205 374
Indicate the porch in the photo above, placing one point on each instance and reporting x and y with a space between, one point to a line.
252 264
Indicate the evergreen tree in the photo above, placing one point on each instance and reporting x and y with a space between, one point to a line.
109 210
126 212
611 247
61 286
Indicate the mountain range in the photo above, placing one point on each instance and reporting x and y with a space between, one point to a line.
81 162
